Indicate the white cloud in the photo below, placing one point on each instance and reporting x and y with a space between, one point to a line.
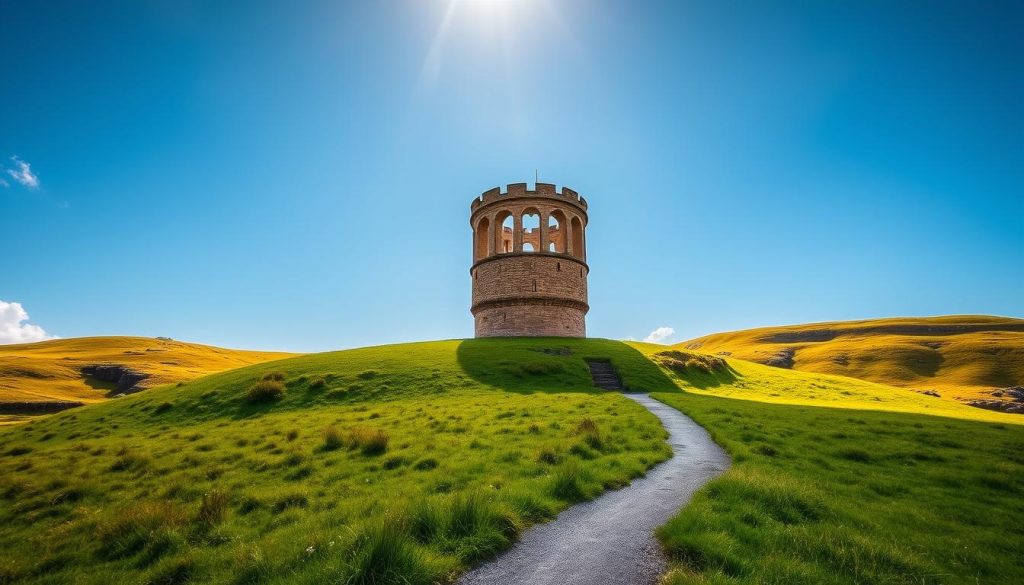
15 328
23 173
660 335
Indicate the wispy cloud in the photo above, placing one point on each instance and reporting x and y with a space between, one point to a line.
660 335
22 173
15 328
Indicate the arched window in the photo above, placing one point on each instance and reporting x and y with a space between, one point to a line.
577 238
531 230
483 234
556 232
503 224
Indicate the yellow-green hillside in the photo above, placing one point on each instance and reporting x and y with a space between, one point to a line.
961 357
745 380
52 370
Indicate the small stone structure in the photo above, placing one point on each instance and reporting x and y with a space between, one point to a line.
529 281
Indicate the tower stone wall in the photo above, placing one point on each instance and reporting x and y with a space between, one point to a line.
529 282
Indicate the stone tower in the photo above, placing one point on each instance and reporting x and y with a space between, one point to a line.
532 280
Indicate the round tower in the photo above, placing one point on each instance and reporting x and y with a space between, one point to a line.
529 262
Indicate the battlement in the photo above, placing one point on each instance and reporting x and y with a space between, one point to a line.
516 190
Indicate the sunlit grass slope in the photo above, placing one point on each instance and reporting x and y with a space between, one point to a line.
832 496
396 464
959 356
51 370
750 381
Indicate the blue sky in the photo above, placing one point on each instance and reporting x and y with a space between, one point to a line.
298 175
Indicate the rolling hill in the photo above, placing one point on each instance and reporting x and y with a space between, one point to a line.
51 371
394 464
409 463
958 357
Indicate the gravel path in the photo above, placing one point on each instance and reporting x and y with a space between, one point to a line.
610 540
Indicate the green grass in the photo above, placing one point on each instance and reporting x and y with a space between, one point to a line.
824 495
396 464
410 463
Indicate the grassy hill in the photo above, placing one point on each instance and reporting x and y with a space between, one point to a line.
960 357
828 496
409 463
870 489
390 464
52 370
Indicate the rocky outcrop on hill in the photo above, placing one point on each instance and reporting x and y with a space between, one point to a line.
999 405
1014 406
126 379
782 358
46 407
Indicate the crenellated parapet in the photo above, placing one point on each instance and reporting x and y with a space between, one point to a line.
520 190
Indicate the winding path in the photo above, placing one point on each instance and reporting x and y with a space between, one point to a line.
611 540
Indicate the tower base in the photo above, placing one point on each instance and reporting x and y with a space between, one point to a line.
530 318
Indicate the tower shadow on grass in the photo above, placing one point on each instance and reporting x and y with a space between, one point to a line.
556 364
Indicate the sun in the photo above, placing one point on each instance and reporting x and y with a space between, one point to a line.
493 26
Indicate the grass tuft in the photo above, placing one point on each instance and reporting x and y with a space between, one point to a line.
426 464
148 525
333 439
854 454
369 441
265 391
213 508
548 456
590 432
567 482
384 553
273 377
129 460
685 363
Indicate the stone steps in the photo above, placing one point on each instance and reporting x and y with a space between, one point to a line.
604 375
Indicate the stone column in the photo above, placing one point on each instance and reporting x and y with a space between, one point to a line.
517 232
490 235
583 242
543 230
567 236
498 235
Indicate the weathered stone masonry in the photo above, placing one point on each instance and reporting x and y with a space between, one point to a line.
529 282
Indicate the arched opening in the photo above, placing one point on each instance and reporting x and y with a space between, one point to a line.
503 223
531 230
577 238
556 232
483 235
